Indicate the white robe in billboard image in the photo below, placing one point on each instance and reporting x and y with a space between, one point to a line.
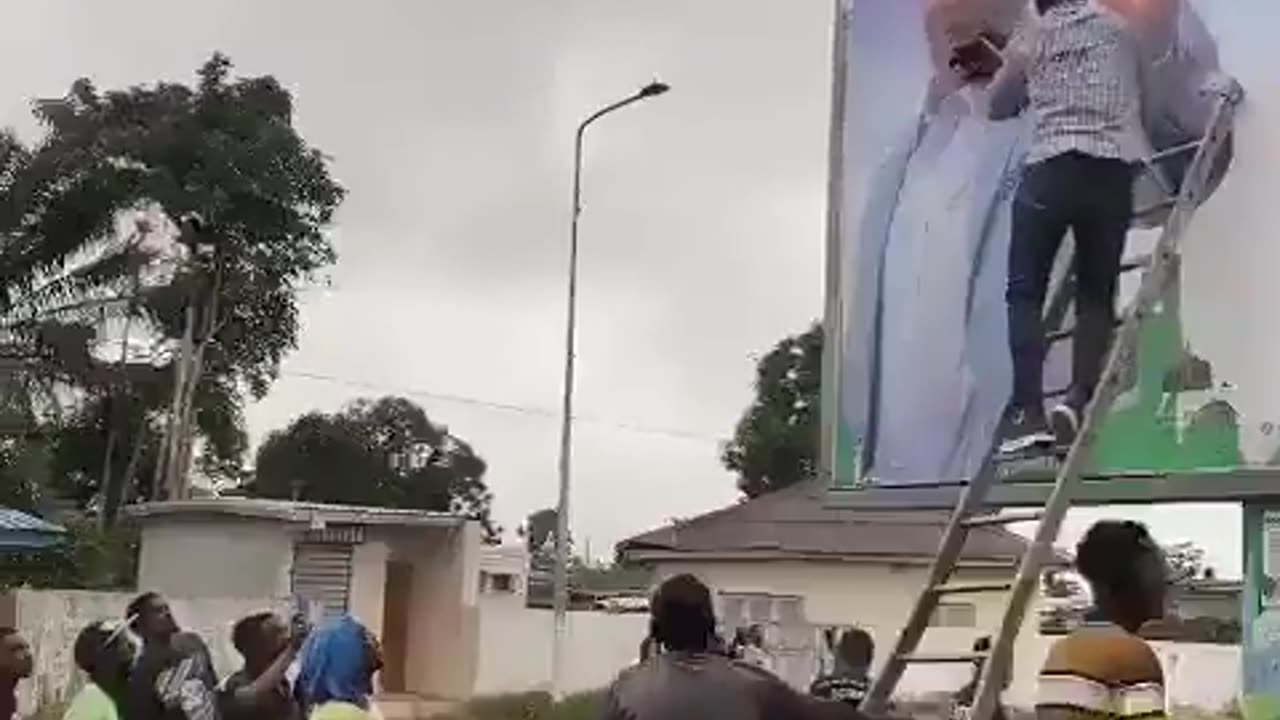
925 371
947 226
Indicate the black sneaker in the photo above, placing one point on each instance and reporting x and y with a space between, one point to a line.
1065 418
1024 429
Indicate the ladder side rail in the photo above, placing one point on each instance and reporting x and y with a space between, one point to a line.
972 499
1123 352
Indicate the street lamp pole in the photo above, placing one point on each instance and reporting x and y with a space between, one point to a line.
561 597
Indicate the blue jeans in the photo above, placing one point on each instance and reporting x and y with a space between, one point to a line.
1093 198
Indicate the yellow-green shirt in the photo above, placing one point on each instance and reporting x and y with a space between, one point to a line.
91 703
343 711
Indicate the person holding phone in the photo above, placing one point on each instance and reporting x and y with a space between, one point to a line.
261 689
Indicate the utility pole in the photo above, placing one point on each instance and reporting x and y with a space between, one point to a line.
561 577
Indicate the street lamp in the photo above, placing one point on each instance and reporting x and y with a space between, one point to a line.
561 599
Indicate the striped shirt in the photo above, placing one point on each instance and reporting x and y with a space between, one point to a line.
1101 671
1079 70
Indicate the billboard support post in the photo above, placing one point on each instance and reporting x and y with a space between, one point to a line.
829 423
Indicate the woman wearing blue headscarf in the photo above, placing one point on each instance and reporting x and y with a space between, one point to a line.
335 680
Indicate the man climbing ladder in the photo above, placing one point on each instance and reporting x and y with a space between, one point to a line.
1078 68
972 510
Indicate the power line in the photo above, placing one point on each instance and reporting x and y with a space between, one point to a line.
528 410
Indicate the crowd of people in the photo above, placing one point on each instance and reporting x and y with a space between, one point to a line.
290 672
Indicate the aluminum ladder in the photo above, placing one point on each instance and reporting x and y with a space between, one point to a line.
971 512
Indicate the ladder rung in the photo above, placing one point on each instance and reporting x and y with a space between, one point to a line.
971 588
939 658
1003 518
1141 262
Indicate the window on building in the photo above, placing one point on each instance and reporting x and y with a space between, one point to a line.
956 615
502 582
780 616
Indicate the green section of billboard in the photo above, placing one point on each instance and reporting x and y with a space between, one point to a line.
1171 417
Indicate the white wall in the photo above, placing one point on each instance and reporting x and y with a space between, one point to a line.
368 583
51 619
515 648
215 557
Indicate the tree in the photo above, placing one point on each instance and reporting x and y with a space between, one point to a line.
235 204
775 443
1185 563
539 533
383 452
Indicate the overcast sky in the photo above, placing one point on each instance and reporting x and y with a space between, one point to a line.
450 123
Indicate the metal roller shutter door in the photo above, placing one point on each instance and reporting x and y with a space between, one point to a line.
322 575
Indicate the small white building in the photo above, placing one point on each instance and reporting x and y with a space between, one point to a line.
504 573
409 575
801 569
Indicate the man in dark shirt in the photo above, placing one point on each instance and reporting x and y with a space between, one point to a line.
260 690
16 664
173 678
851 677
689 681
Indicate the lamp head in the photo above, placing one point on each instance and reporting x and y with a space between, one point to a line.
654 88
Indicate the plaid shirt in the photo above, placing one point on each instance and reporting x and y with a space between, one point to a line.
1079 69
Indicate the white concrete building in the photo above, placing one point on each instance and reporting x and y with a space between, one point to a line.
800 569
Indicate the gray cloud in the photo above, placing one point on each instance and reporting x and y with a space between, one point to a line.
451 125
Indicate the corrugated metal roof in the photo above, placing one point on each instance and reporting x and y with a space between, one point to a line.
20 531
14 521
295 512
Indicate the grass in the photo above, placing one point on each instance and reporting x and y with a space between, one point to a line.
529 706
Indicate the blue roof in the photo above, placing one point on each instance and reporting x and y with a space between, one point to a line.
20 531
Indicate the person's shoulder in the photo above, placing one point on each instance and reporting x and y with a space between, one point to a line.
1104 653
1106 18
1094 668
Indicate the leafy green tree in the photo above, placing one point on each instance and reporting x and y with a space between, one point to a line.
775 444
383 452
231 206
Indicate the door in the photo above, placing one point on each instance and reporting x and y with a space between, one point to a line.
322 575
396 602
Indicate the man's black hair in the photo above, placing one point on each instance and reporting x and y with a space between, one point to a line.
247 630
89 645
6 631
856 647
137 605
683 618
1110 552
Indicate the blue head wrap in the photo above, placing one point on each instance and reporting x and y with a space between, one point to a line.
335 665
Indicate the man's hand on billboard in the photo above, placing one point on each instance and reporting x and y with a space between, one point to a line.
1222 85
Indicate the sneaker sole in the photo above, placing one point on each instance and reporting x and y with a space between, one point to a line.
1026 442
1065 423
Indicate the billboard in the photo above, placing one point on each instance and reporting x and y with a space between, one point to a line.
923 189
